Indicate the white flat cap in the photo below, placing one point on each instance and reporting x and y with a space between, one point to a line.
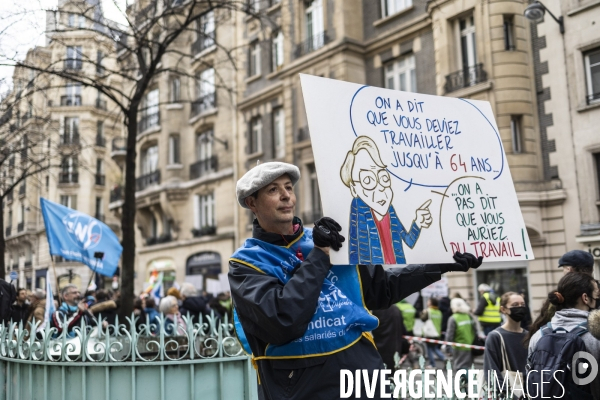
261 175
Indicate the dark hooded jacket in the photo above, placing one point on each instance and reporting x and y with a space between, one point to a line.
271 312
195 306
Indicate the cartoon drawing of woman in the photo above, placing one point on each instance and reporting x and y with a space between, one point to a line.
376 233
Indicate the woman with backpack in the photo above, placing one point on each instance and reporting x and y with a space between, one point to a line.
577 294
504 348
462 328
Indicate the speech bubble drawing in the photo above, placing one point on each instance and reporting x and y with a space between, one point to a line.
420 132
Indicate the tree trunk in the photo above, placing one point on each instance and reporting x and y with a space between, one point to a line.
128 219
2 244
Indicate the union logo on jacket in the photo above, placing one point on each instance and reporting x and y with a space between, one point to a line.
340 318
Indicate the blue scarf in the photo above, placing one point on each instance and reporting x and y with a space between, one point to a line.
340 318
67 308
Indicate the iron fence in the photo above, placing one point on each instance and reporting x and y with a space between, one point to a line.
204 360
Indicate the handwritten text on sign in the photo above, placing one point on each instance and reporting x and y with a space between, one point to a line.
412 178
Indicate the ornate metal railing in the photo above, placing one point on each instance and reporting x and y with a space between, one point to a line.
148 121
311 44
203 42
153 178
211 337
70 100
203 167
135 361
464 78
204 103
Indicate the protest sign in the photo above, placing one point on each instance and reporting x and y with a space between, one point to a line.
437 289
412 178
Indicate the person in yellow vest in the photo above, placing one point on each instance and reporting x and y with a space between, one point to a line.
409 312
462 328
433 314
488 309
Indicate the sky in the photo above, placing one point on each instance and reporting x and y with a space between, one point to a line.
22 25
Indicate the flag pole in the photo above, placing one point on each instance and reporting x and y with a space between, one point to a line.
99 255
56 277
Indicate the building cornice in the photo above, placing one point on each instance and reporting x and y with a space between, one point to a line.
542 198
408 28
261 96
586 7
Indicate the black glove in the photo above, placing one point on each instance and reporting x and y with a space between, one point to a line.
326 234
464 262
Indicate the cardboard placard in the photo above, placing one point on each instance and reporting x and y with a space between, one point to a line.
412 178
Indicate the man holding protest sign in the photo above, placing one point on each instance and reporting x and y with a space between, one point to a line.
303 319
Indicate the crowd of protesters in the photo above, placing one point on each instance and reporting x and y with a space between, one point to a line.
514 344
101 307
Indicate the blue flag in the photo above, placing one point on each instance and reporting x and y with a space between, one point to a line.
76 236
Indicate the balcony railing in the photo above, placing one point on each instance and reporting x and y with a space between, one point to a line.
7 231
100 179
9 196
22 190
144 181
116 194
100 141
204 103
466 77
99 217
161 239
20 226
74 100
202 43
101 104
148 121
28 264
70 139
311 44
118 144
203 167
68 177
73 63
204 231
592 98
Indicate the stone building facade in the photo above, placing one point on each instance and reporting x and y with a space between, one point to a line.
202 129
74 125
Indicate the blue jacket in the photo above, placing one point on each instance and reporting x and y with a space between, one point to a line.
365 244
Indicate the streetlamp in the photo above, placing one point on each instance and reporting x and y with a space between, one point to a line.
535 13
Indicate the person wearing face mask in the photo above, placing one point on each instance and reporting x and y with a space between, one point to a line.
512 305
576 295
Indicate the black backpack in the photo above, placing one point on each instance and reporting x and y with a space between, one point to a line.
554 355
8 295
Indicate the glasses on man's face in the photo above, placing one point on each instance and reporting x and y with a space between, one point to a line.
368 179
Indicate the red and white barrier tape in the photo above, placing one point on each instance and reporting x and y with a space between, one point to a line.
466 346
